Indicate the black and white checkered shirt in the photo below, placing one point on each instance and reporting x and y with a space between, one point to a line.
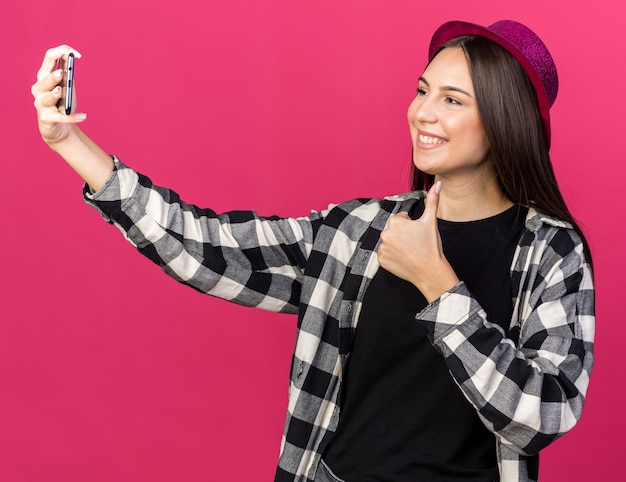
528 385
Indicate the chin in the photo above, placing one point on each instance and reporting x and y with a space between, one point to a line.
424 167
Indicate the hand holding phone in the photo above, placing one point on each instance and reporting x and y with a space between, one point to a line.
67 83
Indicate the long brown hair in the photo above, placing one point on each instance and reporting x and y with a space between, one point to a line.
509 111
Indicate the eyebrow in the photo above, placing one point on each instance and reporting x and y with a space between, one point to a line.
447 87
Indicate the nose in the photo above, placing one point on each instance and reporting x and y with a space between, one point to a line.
423 109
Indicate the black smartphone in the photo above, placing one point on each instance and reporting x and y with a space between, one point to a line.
67 83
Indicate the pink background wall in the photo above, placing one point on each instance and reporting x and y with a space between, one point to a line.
111 371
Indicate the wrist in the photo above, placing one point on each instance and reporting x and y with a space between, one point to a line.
92 163
68 143
442 280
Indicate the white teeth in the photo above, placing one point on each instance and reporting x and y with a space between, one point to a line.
430 140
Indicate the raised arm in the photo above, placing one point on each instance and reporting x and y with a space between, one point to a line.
239 256
61 131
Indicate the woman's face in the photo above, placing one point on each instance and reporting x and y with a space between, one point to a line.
448 137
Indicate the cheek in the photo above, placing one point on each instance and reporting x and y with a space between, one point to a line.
479 147
482 144
474 135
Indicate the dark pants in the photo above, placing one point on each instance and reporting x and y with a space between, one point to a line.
324 474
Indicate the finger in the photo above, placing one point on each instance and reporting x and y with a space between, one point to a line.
48 98
396 219
402 215
51 56
432 203
47 83
49 113
53 116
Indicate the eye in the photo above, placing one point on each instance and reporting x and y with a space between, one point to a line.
421 91
452 100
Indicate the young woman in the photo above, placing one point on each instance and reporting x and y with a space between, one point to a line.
443 334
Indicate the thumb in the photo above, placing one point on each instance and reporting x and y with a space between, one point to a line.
432 202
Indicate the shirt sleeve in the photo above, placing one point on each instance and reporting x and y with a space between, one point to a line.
238 256
528 385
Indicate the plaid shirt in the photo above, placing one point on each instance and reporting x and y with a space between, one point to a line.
528 385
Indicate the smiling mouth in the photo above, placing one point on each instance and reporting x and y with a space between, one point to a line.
430 140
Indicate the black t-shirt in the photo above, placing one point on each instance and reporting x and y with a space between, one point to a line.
403 418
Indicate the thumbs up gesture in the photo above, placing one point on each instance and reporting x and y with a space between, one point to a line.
412 250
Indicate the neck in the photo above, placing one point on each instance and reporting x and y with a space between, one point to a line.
471 199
